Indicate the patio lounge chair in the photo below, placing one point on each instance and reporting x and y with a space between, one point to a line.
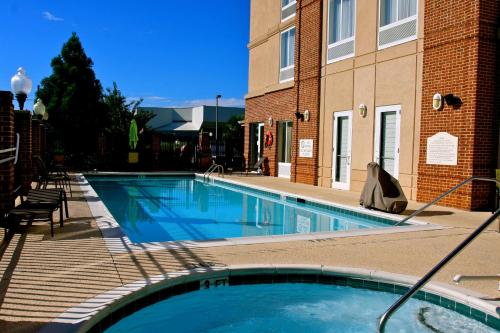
39 205
257 166
59 177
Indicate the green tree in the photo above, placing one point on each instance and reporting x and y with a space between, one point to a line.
120 113
74 100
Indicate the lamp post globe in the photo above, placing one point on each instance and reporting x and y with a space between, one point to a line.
39 109
21 86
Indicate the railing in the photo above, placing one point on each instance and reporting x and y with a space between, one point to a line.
8 150
403 299
214 167
451 190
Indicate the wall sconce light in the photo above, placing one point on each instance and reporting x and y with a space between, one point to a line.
453 100
270 121
437 101
299 116
306 115
363 110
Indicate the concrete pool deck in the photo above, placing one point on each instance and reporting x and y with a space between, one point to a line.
43 276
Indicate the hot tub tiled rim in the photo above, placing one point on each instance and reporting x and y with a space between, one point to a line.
125 300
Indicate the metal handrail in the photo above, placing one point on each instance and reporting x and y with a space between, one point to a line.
403 299
214 167
451 190
8 150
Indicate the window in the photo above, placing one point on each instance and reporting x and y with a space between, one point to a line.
398 22
287 61
288 8
341 22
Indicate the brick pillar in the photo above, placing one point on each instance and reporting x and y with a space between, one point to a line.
460 58
36 142
6 142
22 122
309 26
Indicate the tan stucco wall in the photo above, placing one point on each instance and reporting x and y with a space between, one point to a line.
264 47
392 76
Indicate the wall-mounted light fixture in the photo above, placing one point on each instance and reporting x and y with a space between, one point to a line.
453 100
363 110
270 121
299 116
306 115
437 101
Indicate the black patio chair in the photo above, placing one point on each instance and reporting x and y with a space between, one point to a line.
39 205
59 176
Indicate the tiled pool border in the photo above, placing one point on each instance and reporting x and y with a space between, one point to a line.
99 313
118 242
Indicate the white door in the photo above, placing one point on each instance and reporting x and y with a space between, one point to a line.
284 148
387 131
342 139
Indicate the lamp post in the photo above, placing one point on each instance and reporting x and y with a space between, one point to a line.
216 125
21 86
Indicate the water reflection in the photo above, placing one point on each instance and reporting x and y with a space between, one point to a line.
167 209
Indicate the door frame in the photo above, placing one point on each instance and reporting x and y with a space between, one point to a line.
283 165
347 184
260 136
376 146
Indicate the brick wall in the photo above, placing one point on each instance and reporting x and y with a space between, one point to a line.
308 80
23 172
460 57
281 106
6 141
304 95
36 143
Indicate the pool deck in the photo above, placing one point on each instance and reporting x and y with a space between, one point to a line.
43 276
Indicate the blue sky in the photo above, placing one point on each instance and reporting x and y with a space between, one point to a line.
171 53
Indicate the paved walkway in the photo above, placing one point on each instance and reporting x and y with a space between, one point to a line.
43 276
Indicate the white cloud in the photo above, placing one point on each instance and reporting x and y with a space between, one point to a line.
51 17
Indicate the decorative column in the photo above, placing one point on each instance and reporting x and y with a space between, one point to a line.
23 169
6 142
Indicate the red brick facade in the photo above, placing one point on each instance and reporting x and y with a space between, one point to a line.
281 105
460 57
6 142
22 120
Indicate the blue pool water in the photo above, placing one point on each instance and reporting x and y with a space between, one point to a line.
291 308
184 208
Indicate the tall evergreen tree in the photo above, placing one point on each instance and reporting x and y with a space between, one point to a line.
74 100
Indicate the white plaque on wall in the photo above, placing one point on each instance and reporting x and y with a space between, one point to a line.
442 149
306 148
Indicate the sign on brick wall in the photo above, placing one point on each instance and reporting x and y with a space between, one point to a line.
442 149
306 148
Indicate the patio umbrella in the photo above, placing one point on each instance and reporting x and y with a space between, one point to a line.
132 135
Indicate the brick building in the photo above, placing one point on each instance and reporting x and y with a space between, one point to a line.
340 83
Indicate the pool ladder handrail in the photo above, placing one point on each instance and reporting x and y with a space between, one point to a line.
214 167
413 290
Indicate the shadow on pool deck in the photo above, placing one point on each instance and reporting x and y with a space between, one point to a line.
43 276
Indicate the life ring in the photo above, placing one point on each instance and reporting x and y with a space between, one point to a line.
269 139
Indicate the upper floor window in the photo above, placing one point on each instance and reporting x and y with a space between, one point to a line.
398 22
287 55
341 23
288 9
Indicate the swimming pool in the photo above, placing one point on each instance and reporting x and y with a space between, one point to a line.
291 308
160 209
